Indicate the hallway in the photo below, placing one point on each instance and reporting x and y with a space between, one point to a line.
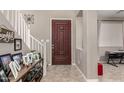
63 73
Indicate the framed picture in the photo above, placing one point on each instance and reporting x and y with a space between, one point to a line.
13 69
17 44
25 60
17 57
5 61
3 77
6 35
36 56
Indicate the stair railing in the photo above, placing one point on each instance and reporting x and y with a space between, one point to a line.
18 23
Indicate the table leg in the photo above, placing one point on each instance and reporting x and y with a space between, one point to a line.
121 60
113 63
108 61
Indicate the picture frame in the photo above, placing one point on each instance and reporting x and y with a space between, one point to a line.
36 56
17 57
6 35
17 44
18 67
30 58
4 61
13 69
25 60
3 77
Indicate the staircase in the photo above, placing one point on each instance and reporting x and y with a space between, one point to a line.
16 19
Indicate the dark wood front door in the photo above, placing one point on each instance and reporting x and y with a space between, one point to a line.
61 42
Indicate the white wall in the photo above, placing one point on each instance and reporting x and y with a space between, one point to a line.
79 30
88 55
9 47
92 45
110 37
41 27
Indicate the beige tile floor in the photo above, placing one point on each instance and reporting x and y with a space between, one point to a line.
112 74
68 73
62 73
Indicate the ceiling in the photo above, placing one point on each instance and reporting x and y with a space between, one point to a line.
102 14
110 13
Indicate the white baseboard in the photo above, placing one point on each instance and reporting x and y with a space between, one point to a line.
81 73
73 64
49 64
87 80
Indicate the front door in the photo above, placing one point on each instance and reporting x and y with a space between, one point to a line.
61 42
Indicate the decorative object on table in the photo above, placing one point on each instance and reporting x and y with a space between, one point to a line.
17 66
30 58
29 18
3 77
6 35
13 69
36 56
17 57
23 73
39 55
5 60
25 60
17 44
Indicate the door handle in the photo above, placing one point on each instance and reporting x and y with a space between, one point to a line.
52 46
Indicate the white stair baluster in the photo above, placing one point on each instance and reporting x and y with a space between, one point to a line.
7 14
35 45
21 27
19 24
32 44
16 22
4 13
28 37
12 18
38 46
26 33
23 31
45 63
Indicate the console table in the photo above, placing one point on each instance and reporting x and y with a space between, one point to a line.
25 70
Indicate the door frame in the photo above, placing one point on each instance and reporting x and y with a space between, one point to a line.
51 38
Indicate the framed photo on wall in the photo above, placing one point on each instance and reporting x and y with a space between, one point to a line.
6 35
17 44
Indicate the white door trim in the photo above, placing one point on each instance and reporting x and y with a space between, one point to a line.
72 62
